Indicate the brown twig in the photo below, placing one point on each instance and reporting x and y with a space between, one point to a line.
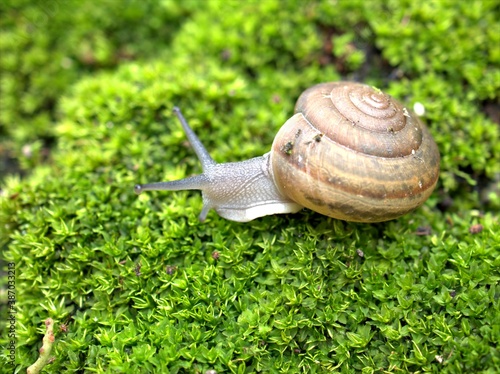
48 342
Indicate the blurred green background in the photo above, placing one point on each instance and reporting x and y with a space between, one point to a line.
86 96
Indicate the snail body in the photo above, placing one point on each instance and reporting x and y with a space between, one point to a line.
350 152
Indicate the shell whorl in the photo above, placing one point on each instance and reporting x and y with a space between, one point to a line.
354 153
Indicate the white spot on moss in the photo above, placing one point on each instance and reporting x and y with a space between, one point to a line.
419 109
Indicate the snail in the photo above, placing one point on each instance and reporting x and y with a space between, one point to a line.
349 152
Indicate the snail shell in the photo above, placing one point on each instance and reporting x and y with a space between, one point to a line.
354 153
350 152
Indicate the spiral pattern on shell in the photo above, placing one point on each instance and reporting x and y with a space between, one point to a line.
354 153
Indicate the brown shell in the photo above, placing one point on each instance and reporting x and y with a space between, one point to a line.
354 153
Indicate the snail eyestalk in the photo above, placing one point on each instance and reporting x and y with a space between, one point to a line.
196 182
202 153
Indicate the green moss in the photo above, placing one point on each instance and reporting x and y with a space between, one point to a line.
43 53
141 285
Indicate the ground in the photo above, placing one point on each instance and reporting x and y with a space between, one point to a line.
138 284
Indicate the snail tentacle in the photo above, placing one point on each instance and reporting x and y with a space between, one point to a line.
200 150
195 182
